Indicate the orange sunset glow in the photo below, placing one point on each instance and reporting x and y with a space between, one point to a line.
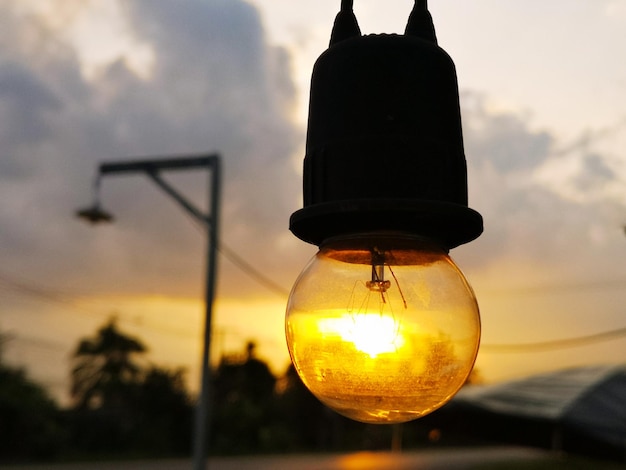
542 99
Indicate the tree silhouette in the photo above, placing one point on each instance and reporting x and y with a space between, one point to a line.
122 406
243 401
105 370
30 424
311 425
163 410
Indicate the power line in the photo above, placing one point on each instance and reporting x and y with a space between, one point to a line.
251 271
46 294
28 289
243 265
555 288
39 343
565 343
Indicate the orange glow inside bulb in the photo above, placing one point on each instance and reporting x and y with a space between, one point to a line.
382 329
369 333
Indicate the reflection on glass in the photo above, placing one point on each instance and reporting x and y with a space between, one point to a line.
382 328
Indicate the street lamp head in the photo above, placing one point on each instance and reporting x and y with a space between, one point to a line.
94 214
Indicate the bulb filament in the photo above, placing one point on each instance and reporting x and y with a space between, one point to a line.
378 282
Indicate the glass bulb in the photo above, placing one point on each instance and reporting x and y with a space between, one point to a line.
382 328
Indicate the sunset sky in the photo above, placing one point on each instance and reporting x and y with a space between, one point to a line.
543 96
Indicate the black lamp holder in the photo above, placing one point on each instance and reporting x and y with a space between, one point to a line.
384 145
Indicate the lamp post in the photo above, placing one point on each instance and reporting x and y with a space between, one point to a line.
152 169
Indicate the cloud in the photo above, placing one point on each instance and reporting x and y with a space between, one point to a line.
215 85
29 105
503 140
616 9
545 204
591 169
595 173
553 210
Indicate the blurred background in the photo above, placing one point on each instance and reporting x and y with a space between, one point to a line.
84 81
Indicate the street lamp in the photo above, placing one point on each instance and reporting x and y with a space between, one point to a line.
381 325
152 168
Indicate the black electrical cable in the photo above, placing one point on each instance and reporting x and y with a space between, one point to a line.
50 295
251 270
547 288
244 266
63 298
29 290
565 343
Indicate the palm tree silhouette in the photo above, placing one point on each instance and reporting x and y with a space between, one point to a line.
104 371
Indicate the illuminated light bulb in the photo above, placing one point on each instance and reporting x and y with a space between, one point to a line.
382 328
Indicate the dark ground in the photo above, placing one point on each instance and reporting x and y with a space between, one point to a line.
449 459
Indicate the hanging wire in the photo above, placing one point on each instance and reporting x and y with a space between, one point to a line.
251 271
29 289
555 344
242 264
